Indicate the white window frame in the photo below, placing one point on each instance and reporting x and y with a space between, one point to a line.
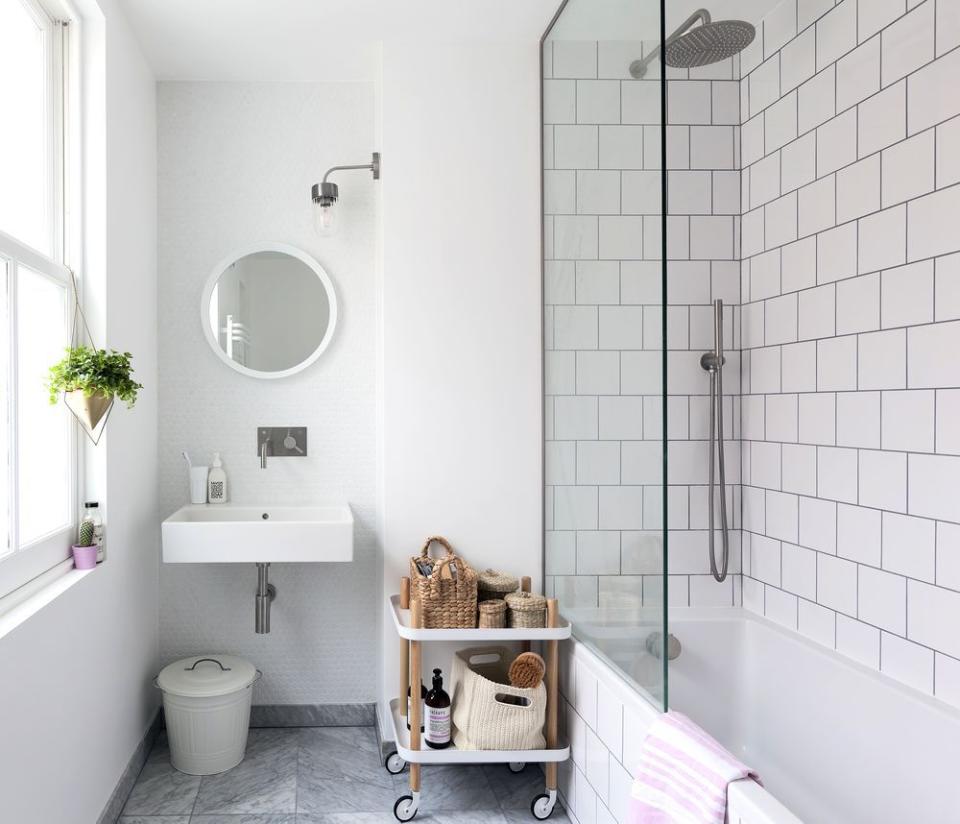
28 562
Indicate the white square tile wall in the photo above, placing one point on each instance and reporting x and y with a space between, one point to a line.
603 299
851 476
819 202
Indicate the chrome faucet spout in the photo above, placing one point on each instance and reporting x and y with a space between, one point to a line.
263 453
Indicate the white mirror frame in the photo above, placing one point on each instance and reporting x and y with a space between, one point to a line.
222 266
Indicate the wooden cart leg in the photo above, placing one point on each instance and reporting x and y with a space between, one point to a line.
416 707
404 652
553 674
525 584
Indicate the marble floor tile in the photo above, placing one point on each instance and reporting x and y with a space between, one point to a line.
447 787
515 791
326 775
350 753
162 790
520 817
339 770
154 819
423 817
264 782
282 818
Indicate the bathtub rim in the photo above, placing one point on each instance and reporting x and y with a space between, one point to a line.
677 616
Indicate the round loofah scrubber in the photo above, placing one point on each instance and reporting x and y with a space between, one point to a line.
527 670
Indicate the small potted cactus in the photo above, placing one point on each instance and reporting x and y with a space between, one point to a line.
85 550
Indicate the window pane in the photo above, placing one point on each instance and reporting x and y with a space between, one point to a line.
25 179
44 441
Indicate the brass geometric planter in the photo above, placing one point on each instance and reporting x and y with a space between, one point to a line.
91 411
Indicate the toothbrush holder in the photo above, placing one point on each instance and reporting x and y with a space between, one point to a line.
198 484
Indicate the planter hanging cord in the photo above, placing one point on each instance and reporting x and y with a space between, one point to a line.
84 415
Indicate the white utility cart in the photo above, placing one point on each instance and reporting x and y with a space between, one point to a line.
408 621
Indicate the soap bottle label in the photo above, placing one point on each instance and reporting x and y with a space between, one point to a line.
438 725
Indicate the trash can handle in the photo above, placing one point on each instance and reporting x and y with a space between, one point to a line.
211 660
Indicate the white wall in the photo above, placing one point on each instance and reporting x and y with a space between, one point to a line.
75 693
236 162
851 285
461 360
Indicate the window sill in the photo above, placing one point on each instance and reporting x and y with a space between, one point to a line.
22 604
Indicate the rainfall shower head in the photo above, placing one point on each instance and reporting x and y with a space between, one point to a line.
708 43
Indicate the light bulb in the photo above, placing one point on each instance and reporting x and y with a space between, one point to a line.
324 218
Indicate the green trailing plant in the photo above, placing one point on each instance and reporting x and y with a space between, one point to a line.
85 537
94 371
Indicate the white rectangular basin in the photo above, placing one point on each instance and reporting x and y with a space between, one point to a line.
239 534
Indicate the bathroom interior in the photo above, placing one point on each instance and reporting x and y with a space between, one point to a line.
345 342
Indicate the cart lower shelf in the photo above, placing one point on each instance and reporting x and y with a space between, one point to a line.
451 755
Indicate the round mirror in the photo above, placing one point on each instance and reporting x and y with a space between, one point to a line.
269 311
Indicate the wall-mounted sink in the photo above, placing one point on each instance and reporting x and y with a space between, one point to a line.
241 534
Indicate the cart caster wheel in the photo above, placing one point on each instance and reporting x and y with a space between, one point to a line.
405 808
394 763
542 807
516 766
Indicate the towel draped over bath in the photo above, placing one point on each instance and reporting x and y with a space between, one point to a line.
683 775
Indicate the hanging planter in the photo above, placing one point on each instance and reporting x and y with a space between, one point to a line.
90 379
89 410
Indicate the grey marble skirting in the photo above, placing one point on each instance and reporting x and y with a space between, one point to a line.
119 795
313 715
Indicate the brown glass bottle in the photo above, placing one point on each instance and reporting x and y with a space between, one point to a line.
423 712
437 734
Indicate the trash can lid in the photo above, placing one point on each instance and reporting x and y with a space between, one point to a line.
205 676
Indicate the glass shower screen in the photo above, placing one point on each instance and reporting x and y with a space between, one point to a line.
604 316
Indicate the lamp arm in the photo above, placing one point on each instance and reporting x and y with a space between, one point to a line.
373 166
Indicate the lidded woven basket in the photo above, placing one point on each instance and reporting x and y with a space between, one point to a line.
493 613
494 584
446 587
527 610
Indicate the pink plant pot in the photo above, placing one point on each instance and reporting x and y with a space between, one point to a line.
84 557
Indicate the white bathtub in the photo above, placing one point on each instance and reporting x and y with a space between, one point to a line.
836 743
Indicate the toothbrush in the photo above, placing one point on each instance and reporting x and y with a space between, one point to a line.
186 457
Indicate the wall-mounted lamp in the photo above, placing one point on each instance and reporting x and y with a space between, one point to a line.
324 196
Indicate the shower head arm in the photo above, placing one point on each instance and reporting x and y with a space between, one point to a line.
638 68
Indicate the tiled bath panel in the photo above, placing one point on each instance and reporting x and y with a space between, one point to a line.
325 775
603 324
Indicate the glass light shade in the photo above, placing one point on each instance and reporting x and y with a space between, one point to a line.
325 218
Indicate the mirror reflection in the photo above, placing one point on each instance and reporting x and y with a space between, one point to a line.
269 312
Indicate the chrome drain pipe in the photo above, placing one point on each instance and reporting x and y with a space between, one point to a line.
266 593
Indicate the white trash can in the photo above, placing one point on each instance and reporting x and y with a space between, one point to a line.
206 706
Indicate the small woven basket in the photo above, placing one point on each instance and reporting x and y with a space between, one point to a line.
493 613
526 610
493 584
448 595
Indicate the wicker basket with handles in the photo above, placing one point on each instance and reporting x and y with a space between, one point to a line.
448 595
526 610
489 713
493 584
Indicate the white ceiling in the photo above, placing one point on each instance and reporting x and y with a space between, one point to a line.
314 39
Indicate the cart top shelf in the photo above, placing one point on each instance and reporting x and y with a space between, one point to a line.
401 621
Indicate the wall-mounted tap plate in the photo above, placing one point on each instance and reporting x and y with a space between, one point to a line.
283 441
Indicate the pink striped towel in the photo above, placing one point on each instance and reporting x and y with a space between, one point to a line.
683 775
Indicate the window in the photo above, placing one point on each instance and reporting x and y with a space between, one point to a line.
38 442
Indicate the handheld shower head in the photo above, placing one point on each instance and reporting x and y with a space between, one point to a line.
710 42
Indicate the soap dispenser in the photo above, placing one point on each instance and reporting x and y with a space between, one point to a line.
217 481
